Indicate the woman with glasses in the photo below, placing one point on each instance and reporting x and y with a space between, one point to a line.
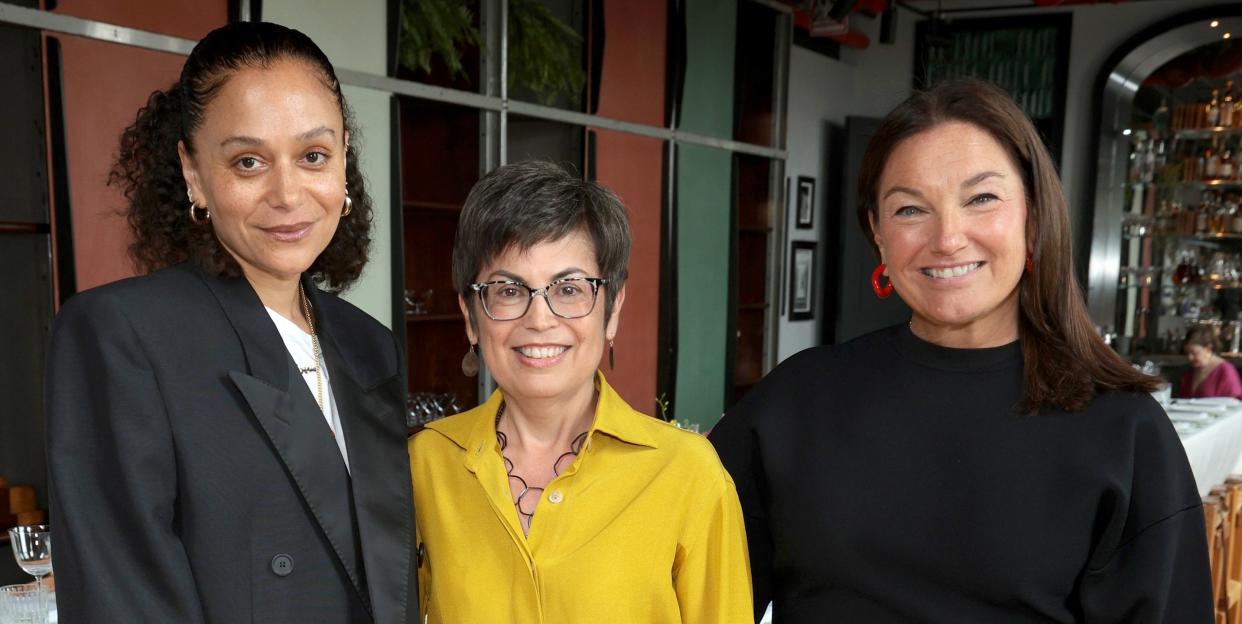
555 501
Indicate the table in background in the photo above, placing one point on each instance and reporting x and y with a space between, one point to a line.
1215 450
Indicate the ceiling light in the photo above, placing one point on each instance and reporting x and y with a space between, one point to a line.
1214 23
1126 132
1226 35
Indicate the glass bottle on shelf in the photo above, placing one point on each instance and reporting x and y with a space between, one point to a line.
1160 119
1182 273
1212 110
1211 161
1221 220
1227 106
1136 159
1164 219
1225 167
1149 161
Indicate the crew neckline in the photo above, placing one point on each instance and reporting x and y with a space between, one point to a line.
952 358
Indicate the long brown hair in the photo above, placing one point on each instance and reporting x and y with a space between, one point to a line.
1067 363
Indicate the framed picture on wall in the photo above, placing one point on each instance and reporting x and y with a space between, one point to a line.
1027 56
806 203
802 281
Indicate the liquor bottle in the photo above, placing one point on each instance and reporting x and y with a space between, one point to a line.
1160 119
1227 106
1225 168
1212 110
1148 166
1210 162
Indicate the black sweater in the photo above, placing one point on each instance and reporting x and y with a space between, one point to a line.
892 480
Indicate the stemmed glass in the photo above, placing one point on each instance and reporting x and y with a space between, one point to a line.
32 547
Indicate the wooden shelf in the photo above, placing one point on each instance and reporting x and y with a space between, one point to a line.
1228 185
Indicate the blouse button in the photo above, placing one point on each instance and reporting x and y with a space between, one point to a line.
555 497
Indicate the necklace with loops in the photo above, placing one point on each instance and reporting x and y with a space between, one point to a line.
525 500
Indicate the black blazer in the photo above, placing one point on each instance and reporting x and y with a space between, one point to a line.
192 475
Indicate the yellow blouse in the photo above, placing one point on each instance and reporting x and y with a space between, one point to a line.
644 526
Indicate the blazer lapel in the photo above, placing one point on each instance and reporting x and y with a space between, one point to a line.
305 445
292 421
375 438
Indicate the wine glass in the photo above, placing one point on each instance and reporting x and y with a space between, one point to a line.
32 547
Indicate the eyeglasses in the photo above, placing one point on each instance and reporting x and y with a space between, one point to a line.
569 298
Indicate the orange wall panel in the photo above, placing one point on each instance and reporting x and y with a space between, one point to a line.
632 88
191 20
103 86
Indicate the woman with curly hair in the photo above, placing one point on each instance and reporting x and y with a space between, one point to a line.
226 438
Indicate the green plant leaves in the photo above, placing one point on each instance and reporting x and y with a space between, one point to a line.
545 54
436 28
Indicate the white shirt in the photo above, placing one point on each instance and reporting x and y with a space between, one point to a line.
301 350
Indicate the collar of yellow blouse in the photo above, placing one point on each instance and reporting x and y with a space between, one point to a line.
474 430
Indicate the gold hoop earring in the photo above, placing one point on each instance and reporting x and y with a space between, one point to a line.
194 218
349 205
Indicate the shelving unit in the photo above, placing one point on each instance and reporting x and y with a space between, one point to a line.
440 162
1181 252
757 190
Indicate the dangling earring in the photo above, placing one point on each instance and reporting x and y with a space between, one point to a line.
194 218
612 358
881 291
1030 264
470 363
349 203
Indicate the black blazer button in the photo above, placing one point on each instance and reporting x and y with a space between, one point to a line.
282 565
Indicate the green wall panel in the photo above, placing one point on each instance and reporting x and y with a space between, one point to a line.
704 196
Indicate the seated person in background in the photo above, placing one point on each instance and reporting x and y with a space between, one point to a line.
1209 375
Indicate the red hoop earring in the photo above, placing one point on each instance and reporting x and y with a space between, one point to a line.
1030 264
881 291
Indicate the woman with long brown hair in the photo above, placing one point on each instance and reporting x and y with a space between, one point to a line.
992 460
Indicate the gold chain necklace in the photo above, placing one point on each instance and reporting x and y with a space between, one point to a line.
310 321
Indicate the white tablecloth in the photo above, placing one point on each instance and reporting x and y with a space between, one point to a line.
1215 451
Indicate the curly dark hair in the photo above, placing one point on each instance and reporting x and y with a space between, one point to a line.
148 169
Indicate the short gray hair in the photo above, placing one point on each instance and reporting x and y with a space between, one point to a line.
526 203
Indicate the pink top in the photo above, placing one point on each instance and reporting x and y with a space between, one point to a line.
1223 381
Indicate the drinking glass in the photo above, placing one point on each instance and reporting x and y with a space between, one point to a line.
32 547
19 604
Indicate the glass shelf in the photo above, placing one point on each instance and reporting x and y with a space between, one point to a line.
1206 133
1201 185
